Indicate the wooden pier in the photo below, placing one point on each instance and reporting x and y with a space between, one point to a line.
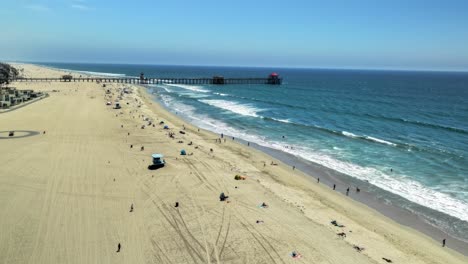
216 80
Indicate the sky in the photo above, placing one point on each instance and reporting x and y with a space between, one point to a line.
366 34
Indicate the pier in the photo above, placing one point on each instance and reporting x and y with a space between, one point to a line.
272 79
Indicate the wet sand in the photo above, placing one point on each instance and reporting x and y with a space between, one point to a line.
370 195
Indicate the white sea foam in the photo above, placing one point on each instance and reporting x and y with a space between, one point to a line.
397 184
241 109
281 120
374 139
179 108
107 74
221 94
167 89
349 134
378 140
189 87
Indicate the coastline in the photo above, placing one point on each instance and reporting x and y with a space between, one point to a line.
298 218
328 177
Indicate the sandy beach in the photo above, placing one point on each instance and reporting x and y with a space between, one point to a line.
66 194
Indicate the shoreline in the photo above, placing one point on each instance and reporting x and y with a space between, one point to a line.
83 188
329 177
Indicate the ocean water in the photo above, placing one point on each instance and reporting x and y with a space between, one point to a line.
404 132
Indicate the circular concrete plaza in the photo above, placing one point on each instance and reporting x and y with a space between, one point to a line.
18 134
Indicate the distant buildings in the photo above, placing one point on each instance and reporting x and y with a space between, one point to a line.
10 96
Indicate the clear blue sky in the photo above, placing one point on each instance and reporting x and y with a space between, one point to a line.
397 34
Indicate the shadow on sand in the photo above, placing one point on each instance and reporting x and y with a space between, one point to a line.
155 167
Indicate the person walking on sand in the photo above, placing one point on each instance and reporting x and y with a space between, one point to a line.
318 180
131 208
334 186
118 247
347 191
443 242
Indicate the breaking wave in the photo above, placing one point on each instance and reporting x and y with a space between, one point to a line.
241 109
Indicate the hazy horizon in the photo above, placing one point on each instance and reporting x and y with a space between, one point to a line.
44 63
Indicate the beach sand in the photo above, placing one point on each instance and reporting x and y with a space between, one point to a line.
65 195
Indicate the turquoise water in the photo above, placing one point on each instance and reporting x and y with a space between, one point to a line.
404 132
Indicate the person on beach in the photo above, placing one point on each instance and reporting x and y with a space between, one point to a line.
131 208
318 180
347 191
342 234
118 247
334 186
177 204
223 197
222 135
142 148
443 242
294 167
248 143
358 190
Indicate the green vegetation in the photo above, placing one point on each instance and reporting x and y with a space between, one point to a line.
7 72
67 78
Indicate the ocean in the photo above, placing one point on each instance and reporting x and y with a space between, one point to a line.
405 133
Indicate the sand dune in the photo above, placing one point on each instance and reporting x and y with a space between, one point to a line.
65 195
